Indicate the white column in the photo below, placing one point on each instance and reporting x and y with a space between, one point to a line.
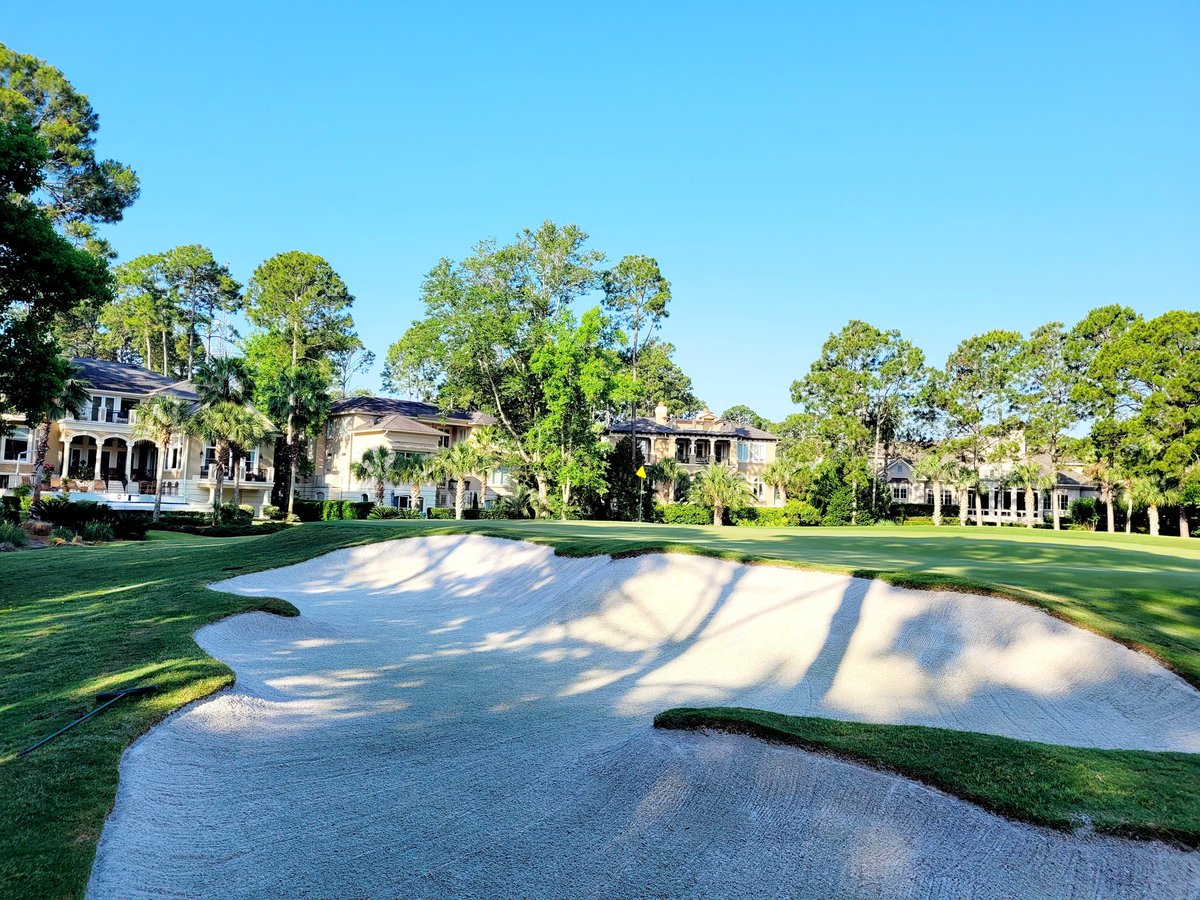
99 456
128 462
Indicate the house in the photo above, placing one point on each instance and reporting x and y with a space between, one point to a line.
93 454
999 498
701 441
358 424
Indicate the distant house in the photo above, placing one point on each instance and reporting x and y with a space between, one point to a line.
701 441
94 456
358 424
999 499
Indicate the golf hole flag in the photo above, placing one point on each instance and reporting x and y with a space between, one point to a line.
641 472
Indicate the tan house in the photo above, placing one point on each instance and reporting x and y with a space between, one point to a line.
358 424
93 454
702 441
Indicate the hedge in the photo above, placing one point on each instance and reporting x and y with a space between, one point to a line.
126 524
684 514
10 509
230 530
792 514
393 512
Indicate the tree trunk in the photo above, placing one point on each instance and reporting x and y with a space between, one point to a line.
1110 514
237 484
164 343
162 474
543 489
566 498
414 494
1184 529
937 503
459 490
1128 512
379 492
1030 515
854 501
1054 511
963 496
220 479
718 514
291 452
1152 512
41 448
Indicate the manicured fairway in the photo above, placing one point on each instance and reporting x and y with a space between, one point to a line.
76 621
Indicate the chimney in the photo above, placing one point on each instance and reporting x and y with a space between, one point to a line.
660 413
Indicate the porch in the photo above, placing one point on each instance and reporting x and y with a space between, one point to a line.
703 451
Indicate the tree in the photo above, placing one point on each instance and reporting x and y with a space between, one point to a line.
720 487
74 185
938 467
661 379
299 297
247 429
486 318
670 473
457 464
778 475
376 465
73 392
147 309
413 469
224 387
1032 477
202 289
744 415
491 451
161 419
352 360
1149 492
1045 395
41 277
301 399
215 423
224 378
1106 475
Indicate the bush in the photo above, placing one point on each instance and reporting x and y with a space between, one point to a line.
801 513
1085 512
393 512
10 509
441 512
273 512
170 520
228 514
922 520
23 490
356 509
97 532
13 534
232 530
685 514
63 534
126 524
500 511
129 524
308 510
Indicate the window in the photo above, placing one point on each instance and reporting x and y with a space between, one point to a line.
948 498
16 445
1062 502
751 451
444 440
900 492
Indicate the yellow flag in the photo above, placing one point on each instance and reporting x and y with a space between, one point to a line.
641 472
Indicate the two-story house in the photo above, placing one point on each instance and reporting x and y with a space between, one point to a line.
358 424
94 455
702 441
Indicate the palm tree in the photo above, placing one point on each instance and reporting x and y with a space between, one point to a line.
214 424
247 430
490 452
1106 475
376 465
519 502
669 472
161 419
961 479
938 467
456 465
720 487
413 469
1033 478
776 475
224 378
1148 492
73 393
299 398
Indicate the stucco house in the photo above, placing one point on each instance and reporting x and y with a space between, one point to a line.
358 424
1000 499
93 454
700 441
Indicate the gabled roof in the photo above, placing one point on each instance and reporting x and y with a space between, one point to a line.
397 422
126 378
694 428
385 406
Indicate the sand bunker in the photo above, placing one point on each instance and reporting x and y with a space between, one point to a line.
463 715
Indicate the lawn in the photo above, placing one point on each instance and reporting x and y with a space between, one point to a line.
75 621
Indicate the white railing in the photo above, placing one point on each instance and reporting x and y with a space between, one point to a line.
105 415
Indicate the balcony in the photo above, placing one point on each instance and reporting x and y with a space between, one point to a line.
105 416
208 473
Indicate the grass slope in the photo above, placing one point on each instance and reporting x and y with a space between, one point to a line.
76 621
1132 793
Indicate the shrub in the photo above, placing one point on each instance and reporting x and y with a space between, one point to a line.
61 536
356 509
129 524
232 530
13 534
10 509
441 512
229 514
685 514
273 512
308 510
383 512
97 532
170 520
331 510
1085 513
922 520
500 511
801 513
23 490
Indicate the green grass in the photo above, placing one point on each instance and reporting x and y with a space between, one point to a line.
75 621
1132 793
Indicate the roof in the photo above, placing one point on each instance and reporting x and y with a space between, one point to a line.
385 406
397 422
126 378
694 428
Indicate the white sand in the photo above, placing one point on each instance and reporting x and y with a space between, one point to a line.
468 716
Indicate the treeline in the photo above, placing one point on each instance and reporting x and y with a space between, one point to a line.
1116 393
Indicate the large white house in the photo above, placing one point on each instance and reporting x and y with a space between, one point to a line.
93 454
358 424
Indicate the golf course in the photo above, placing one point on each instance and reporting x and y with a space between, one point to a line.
527 668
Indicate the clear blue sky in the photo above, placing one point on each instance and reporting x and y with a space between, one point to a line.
942 169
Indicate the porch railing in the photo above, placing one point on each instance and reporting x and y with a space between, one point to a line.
106 415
